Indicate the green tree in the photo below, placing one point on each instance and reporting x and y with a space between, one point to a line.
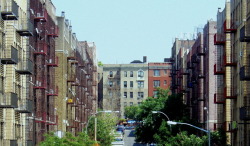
100 63
131 112
105 126
81 139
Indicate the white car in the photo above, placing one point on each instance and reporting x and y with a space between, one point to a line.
118 142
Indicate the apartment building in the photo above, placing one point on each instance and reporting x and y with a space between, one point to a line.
16 67
196 80
193 75
240 45
179 48
75 79
124 85
210 101
225 71
158 76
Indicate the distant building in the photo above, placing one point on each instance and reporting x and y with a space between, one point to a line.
158 76
124 85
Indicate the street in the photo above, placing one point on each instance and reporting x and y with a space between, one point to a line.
129 139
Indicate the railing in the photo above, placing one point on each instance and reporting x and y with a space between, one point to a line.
53 62
189 65
52 120
25 106
218 71
25 67
70 101
40 117
229 60
230 93
218 98
53 91
10 10
41 49
54 32
194 58
184 72
230 26
43 17
9 100
25 28
10 56
40 85
73 124
200 51
219 39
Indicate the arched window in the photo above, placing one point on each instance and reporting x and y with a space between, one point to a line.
140 73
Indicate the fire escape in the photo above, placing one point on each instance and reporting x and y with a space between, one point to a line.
225 62
72 86
45 60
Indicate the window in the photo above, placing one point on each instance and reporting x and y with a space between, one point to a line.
140 84
110 83
140 94
139 103
155 93
131 73
110 93
156 72
131 103
125 84
140 74
125 74
165 71
156 83
125 95
131 84
111 74
118 72
125 104
131 94
118 83
165 82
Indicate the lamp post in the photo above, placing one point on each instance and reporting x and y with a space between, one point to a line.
155 112
180 123
175 123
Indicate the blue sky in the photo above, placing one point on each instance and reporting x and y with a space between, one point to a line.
127 30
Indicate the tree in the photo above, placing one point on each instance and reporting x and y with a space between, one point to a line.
100 63
131 112
105 126
81 139
154 127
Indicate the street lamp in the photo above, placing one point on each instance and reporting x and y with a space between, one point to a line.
155 112
175 123
180 123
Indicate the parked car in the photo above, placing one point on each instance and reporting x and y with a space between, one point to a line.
121 128
118 142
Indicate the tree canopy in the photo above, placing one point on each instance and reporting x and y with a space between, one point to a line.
153 127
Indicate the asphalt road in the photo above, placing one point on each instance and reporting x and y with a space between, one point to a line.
129 139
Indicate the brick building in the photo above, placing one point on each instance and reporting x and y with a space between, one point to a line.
158 76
